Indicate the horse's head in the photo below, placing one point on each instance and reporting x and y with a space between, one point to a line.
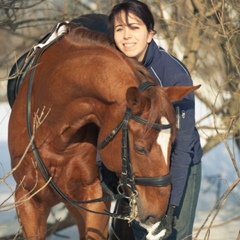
151 146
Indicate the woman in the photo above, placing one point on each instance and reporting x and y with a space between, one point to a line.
131 27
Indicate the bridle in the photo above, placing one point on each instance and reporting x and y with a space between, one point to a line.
127 180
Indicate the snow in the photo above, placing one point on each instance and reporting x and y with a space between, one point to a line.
217 175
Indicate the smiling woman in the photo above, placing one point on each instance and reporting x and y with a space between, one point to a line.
131 28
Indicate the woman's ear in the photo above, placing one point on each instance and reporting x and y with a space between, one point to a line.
150 36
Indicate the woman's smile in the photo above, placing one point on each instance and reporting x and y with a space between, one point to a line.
129 45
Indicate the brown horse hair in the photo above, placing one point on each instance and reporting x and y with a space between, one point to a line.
156 95
77 35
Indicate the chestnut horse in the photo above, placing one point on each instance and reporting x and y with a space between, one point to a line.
81 95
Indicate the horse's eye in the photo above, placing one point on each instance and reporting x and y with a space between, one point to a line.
141 150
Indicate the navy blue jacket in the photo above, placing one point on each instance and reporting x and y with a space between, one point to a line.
187 151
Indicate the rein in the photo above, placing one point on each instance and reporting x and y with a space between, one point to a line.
127 179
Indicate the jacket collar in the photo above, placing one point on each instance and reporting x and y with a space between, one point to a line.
150 54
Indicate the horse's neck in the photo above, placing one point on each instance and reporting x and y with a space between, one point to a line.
95 78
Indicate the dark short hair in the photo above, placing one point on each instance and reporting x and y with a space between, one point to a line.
135 7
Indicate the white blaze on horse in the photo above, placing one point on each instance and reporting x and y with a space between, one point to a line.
96 98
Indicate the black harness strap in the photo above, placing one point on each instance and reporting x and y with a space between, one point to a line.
110 137
155 126
127 172
156 182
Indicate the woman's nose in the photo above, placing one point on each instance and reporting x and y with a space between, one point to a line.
126 33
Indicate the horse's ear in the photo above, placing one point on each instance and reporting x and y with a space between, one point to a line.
133 98
177 93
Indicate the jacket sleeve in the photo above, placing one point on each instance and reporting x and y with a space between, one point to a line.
183 150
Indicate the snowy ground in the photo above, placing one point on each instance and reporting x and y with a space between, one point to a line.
218 175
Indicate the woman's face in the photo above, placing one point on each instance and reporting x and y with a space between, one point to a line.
132 38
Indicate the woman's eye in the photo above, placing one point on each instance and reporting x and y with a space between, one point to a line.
118 29
141 150
134 27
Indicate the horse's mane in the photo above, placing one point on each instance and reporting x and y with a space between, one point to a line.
82 36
